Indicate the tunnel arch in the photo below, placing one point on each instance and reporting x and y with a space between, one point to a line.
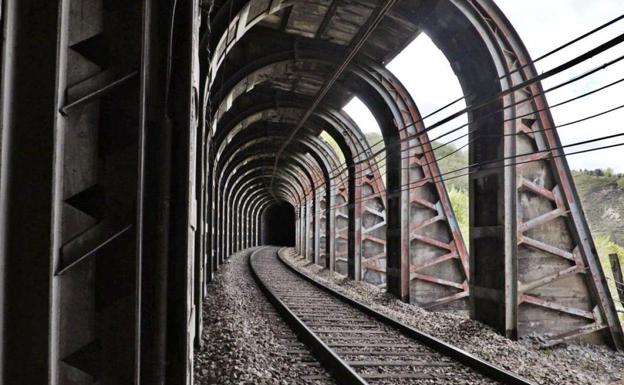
275 216
391 93
493 68
116 222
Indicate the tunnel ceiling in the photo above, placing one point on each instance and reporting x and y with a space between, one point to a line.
271 73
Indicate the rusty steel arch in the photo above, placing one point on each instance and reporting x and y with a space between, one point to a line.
228 209
495 75
309 145
345 132
407 121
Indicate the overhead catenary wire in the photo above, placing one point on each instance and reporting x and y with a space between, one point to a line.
565 83
372 23
540 58
427 163
455 150
476 166
558 86
577 60
567 124
552 72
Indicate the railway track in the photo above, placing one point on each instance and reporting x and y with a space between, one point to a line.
357 344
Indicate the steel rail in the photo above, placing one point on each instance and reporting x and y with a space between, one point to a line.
323 353
459 355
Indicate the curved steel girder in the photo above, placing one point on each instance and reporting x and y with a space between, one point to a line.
334 121
267 111
254 232
231 213
389 89
318 148
254 191
253 235
224 213
328 186
240 222
254 171
377 85
251 176
257 204
257 210
249 198
240 193
463 20
239 159
480 42
251 185
226 43
459 48
301 172
254 208
246 226
312 170
240 132
337 123
311 142
242 181
260 200
263 196
241 137
342 123
247 194
389 98
248 149
384 91
366 79
305 165
369 75
390 92
371 79
341 128
329 192
223 204
304 145
257 218
354 207
276 73
256 188
229 207
510 64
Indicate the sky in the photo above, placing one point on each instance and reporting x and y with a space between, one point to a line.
542 25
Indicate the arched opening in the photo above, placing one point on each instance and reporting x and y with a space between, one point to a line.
278 225
474 41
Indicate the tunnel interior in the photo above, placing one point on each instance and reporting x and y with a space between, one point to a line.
278 225
144 143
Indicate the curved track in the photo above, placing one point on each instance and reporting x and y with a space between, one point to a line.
357 344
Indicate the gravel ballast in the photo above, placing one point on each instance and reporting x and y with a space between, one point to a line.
563 364
244 340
